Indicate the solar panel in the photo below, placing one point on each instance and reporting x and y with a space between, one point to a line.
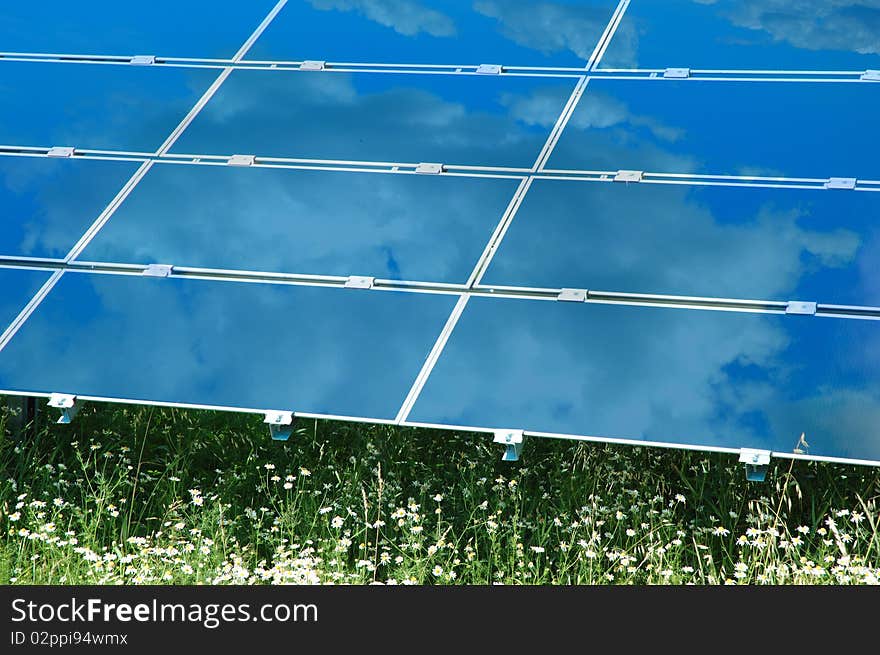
467 120
430 228
94 106
18 288
784 129
723 380
512 32
169 27
49 203
687 240
310 349
745 34
651 223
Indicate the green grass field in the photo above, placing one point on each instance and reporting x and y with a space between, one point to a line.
131 495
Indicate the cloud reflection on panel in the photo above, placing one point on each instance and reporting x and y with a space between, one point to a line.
693 377
768 244
750 34
510 32
307 349
46 205
92 106
17 287
723 128
403 16
397 118
407 227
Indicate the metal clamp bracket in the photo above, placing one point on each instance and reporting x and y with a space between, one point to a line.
757 462
489 69
512 440
629 176
142 60
312 65
841 183
430 169
870 76
280 424
359 282
800 307
67 404
158 270
241 160
60 151
677 73
572 295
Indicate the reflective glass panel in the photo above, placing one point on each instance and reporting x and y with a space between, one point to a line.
95 106
17 287
790 129
239 345
510 32
477 120
47 204
730 242
748 35
169 28
405 227
677 376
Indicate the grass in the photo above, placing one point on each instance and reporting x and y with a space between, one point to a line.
131 495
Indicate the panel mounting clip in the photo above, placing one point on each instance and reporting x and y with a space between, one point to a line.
142 60
841 183
489 69
158 270
280 424
512 440
312 65
870 76
67 404
572 295
241 160
629 176
60 151
677 73
359 282
757 462
800 307
430 169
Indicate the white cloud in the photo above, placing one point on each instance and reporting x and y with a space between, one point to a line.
695 377
762 250
314 222
548 27
403 16
226 343
403 118
813 24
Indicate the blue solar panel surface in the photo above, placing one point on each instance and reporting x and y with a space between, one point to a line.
193 28
403 227
791 129
226 343
96 106
638 221
473 120
748 34
512 32
19 286
49 203
651 374
759 243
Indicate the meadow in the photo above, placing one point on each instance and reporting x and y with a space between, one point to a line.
139 495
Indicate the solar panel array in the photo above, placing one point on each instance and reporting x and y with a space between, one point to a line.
646 222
